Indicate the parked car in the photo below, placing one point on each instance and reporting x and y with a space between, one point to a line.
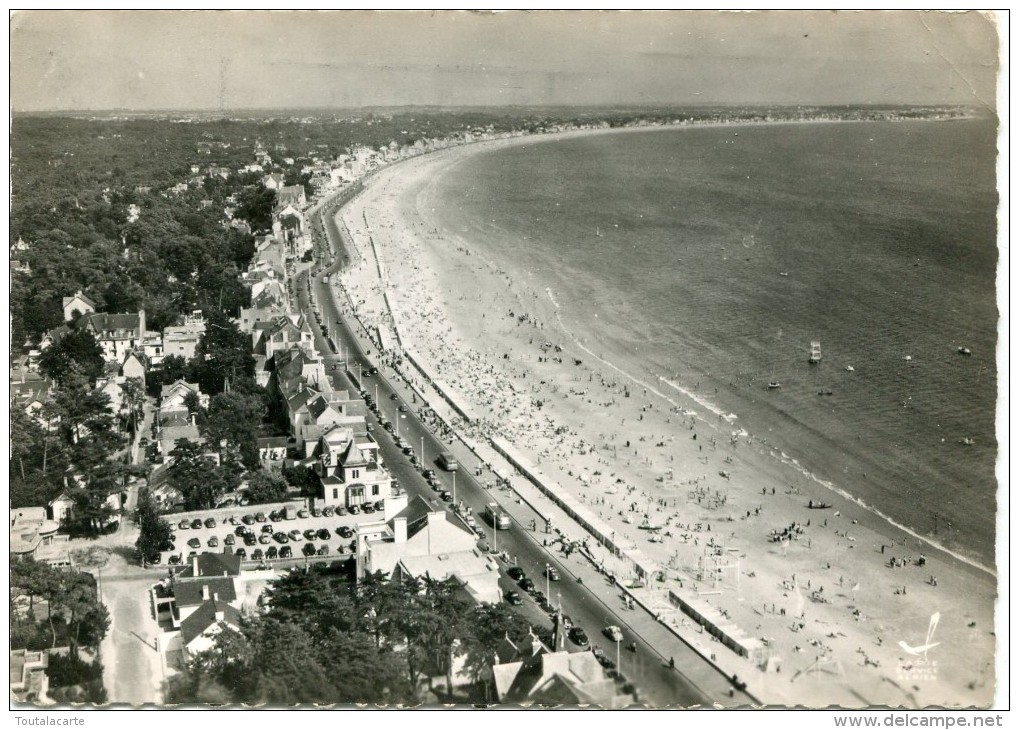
513 598
240 530
445 496
194 543
264 539
184 525
213 541
323 550
368 508
210 522
310 534
380 506
303 514
551 572
174 560
249 539
286 552
602 657
328 512
271 553
309 549
248 520
428 473
229 540
345 532
323 534
578 636
341 511
256 554
527 584
260 517
242 553
516 572
295 535
316 513
268 529
196 524
235 520
355 510
402 408
613 633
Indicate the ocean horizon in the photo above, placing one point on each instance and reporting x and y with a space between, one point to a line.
707 260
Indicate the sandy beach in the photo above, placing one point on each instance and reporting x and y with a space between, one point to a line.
853 610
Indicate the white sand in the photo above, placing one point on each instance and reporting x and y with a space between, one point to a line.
831 609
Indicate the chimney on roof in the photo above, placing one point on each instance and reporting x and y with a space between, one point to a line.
220 613
141 323
193 417
205 593
215 596
399 530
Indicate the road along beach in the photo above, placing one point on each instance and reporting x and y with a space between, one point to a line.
848 609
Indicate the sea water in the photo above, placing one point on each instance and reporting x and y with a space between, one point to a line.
708 259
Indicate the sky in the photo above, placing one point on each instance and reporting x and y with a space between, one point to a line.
145 60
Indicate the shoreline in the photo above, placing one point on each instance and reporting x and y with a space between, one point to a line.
414 286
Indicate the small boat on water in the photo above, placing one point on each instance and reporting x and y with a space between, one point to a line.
966 441
850 369
783 273
824 391
815 352
964 351
818 505
774 385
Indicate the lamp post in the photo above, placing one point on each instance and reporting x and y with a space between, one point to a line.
618 666
422 450
548 591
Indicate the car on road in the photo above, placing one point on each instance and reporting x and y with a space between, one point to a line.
213 541
513 598
210 522
286 552
613 633
526 584
551 573
196 524
516 572
445 496
373 371
428 473
393 396
579 637
324 534
402 408
602 657
194 543
408 450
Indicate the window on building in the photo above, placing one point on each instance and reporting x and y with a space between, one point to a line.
336 494
355 473
375 490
